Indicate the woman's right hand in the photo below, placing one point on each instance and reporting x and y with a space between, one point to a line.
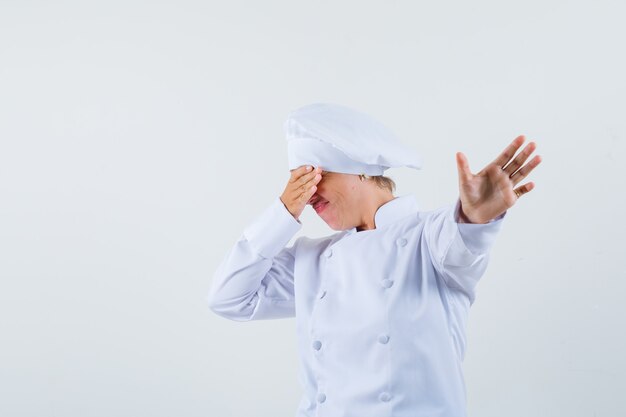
300 188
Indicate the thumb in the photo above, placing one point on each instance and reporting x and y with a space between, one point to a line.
463 167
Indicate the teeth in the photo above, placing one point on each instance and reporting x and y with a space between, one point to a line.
317 201
318 204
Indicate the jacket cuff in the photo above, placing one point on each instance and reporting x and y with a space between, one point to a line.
478 237
270 232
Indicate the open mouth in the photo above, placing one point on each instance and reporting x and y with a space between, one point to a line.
318 203
320 206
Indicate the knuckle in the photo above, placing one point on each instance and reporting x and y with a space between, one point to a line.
305 179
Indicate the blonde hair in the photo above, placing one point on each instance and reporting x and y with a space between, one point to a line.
381 181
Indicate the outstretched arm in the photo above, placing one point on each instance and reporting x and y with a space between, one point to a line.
460 236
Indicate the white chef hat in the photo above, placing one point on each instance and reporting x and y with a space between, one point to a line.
341 139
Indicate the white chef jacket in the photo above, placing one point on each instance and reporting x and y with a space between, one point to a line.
381 314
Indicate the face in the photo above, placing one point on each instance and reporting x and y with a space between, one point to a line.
337 200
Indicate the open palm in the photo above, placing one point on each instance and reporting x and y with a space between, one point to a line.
492 191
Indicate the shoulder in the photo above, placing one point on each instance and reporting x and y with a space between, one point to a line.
435 212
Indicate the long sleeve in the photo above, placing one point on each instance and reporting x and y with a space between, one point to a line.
255 280
460 251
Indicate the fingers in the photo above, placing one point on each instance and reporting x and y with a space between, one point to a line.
463 167
525 170
303 182
298 173
520 191
520 158
310 189
309 181
301 186
509 151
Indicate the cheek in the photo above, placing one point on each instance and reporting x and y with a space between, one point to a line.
337 192
326 189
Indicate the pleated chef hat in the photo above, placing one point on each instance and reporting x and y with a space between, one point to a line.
342 139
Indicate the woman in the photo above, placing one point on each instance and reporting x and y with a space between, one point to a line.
381 305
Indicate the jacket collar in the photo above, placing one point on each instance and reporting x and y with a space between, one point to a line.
392 211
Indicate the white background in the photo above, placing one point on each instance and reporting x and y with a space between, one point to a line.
139 138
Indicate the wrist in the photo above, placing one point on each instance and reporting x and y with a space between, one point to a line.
464 218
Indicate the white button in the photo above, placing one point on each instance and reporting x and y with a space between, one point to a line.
329 253
322 294
401 242
386 283
383 338
321 397
317 345
384 396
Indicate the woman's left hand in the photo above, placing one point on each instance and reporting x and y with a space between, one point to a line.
492 191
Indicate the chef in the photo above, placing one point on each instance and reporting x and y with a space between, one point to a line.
381 305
